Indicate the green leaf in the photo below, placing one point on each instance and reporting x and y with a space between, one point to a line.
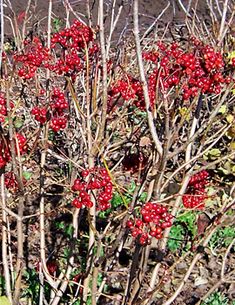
212 154
229 118
116 200
132 187
222 237
231 54
232 145
176 235
18 123
216 298
223 109
4 301
185 113
189 218
215 152
60 225
69 231
57 23
143 197
27 175
99 279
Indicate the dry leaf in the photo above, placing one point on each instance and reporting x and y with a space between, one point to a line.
145 141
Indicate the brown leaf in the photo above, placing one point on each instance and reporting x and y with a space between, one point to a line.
145 141
202 223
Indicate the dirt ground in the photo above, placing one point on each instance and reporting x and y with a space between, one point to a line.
149 10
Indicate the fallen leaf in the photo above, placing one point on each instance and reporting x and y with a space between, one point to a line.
145 141
200 281
4 301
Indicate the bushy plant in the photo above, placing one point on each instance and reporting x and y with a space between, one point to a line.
107 154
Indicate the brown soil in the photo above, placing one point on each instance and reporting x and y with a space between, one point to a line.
149 10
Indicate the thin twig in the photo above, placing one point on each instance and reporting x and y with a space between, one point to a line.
151 124
183 8
25 21
113 25
2 31
223 20
4 242
104 109
223 268
155 22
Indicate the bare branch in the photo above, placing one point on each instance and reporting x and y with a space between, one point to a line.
152 127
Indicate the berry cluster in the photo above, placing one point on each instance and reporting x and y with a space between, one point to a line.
58 123
200 70
5 155
98 179
129 89
71 63
59 101
124 88
195 196
58 106
67 46
10 181
3 108
70 45
40 114
20 144
151 56
20 147
75 37
34 56
154 219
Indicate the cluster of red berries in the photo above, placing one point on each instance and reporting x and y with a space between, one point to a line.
5 155
200 70
233 61
124 88
58 123
10 181
98 179
69 64
69 45
154 219
151 56
40 114
58 106
33 57
20 144
129 89
75 37
3 108
20 147
196 193
59 101
63 57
